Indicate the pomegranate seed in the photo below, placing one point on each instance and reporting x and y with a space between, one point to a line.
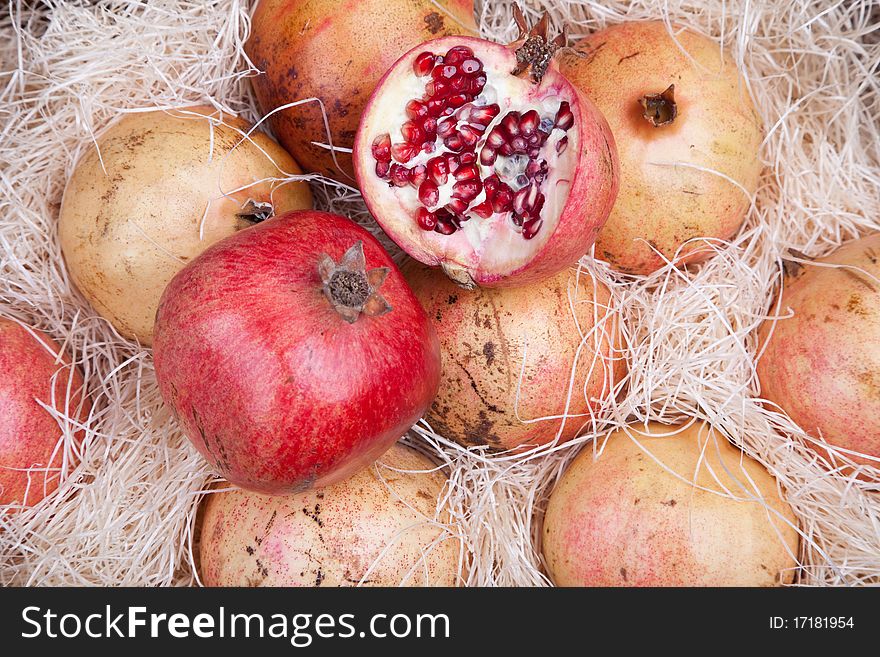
564 117
477 84
470 66
457 207
426 219
399 175
518 144
467 190
468 158
417 175
458 100
436 107
487 156
483 210
446 227
483 115
517 220
542 136
447 71
446 127
403 152
438 170
429 125
458 54
532 197
506 150
532 168
416 110
491 184
510 123
561 145
428 147
437 89
534 151
382 169
539 205
531 228
528 124
469 135
453 162
429 195
382 148
467 172
519 200
503 200
412 133
534 140
423 64
454 143
496 138
460 84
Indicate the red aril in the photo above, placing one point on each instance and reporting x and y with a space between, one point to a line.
521 169
294 353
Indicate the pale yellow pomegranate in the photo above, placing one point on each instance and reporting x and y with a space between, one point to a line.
165 187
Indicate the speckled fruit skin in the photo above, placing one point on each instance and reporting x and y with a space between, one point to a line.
717 128
126 232
592 190
486 333
821 366
333 536
28 433
336 50
272 385
623 520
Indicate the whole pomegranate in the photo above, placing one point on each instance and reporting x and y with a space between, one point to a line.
547 350
158 189
34 370
668 506
688 137
484 159
821 365
294 353
379 527
336 50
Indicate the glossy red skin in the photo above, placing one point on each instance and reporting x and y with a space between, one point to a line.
594 186
272 386
28 433
336 50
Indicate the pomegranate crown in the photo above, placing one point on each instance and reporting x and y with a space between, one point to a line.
535 50
352 289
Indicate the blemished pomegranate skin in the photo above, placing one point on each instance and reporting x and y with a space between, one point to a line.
28 432
516 354
685 175
668 506
278 387
500 179
336 50
821 365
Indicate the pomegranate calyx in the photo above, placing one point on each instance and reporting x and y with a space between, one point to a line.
660 109
792 268
350 288
256 211
536 50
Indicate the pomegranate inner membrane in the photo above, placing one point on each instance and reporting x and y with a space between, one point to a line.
473 146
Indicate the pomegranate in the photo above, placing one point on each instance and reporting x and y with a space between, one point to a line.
467 162
380 527
34 370
820 366
680 111
687 509
508 356
157 190
336 50
294 353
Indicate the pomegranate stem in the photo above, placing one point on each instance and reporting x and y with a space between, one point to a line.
660 109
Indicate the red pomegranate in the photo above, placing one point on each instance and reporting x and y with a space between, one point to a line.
294 353
336 50
34 369
483 159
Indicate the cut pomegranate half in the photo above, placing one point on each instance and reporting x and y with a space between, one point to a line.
500 178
